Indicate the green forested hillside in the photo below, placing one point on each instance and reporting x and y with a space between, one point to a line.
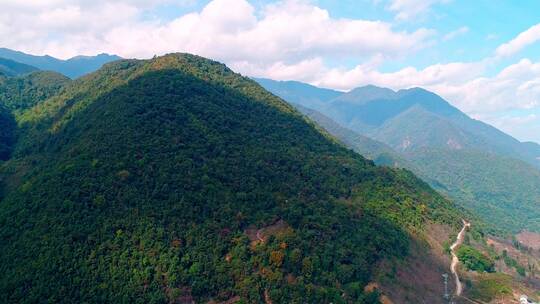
140 183
485 170
23 92
7 133
380 153
505 192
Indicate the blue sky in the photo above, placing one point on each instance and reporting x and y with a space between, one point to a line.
488 24
482 56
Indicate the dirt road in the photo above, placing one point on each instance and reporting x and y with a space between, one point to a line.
455 260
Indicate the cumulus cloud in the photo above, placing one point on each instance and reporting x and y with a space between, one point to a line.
521 41
290 39
437 74
522 125
462 83
228 30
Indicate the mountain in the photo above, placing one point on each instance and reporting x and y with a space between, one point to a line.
176 180
504 191
23 92
482 168
10 68
73 67
299 93
377 151
436 114
19 93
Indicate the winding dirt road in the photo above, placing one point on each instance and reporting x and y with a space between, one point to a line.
455 260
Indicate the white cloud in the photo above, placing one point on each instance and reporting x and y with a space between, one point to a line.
460 31
521 41
524 126
408 9
227 30
368 73
463 84
291 39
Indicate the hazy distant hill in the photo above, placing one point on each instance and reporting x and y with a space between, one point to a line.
73 67
10 68
299 93
377 151
487 170
176 180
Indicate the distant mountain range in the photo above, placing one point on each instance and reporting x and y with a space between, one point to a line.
10 68
483 168
72 68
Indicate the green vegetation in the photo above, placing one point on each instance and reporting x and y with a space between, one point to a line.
476 180
485 170
475 260
7 133
137 184
26 91
380 153
491 286
512 263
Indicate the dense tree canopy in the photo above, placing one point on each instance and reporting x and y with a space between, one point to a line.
7 132
141 183
475 260
23 92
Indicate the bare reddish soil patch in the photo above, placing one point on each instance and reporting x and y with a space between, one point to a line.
529 239
262 234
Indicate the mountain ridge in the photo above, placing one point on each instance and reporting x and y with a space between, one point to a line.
155 170
72 67
430 133
11 68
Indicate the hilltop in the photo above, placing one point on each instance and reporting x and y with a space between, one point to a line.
147 181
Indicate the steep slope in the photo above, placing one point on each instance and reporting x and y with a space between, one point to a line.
23 92
505 192
12 68
465 158
367 109
73 67
380 153
417 128
176 180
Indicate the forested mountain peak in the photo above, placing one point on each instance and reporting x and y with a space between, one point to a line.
196 183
